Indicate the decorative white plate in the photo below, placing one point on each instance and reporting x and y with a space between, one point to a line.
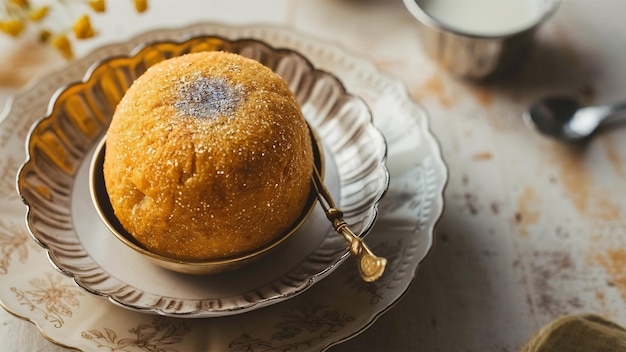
335 309
54 183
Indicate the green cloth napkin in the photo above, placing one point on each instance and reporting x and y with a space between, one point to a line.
578 333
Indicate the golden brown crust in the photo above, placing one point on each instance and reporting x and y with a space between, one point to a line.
208 156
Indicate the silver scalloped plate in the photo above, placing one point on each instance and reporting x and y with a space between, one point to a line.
331 311
54 184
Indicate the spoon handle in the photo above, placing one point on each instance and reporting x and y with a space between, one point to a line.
615 112
371 267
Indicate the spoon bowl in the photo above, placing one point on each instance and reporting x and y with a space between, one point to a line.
566 119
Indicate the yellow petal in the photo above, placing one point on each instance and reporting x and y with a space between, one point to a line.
97 5
63 45
20 3
12 27
82 28
141 5
38 14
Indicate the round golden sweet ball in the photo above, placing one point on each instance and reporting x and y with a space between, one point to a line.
208 156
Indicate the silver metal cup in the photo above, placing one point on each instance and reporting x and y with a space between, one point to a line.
476 56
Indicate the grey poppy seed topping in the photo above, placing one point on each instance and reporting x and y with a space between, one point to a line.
209 97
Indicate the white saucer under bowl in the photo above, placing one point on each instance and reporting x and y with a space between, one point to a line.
54 184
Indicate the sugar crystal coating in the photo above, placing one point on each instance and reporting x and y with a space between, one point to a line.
207 157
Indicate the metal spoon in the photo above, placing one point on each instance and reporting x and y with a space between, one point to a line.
564 118
371 267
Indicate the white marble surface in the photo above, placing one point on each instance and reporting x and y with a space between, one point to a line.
532 230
